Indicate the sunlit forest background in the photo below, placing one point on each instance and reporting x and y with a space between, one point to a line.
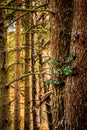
43 64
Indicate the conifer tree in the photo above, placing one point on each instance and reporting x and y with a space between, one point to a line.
76 85
4 88
27 116
17 71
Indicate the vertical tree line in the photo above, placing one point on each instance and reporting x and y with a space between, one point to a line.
61 25
43 76
27 24
76 84
17 71
4 88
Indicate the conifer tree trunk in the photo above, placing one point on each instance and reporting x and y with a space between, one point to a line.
61 22
27 117
34 91
17 73
76 86
42 87
33 65
4 90
48 108
40 76
40 81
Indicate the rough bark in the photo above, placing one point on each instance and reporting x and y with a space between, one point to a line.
48 109
17 73
27 116
33 64
40 67
34 91
4 89
40 83
61 22
76 86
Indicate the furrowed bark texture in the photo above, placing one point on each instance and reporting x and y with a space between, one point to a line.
76 86
17 73
61 23
27 116
4 90
33 68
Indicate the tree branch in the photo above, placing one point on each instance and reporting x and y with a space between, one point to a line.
44 98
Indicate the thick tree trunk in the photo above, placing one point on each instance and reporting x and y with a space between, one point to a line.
4 90
76 86
17 73
61 22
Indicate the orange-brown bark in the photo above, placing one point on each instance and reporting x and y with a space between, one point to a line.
17 73
76 86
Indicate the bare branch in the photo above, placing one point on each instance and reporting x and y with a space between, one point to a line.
44 98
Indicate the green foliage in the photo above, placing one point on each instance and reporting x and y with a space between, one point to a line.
61 72
56 82
67 70
70 58
53 82
47 81
56 63
53 61
57 71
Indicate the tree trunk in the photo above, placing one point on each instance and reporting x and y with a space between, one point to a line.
17 73
48 109
27 117
33 64
61 22
76 85
34 91
4 89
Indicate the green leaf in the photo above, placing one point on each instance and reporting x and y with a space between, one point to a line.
67 70
70 58
59 71
47 81
56 63
56 82
53 62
